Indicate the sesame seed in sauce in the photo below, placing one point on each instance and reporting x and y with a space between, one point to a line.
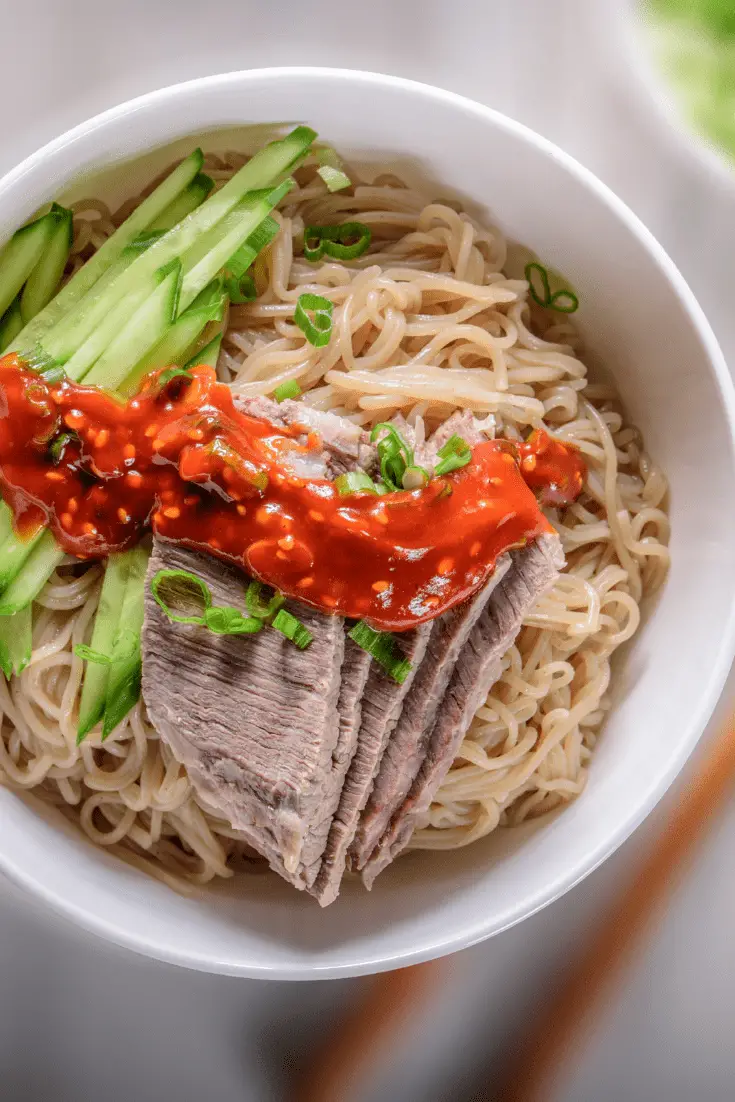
445 566
123 516
286 543
172 512
380 587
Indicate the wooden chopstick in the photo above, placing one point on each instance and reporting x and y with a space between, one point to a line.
369 1030
340 1065
564 1021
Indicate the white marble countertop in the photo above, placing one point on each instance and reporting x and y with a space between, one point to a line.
80 1020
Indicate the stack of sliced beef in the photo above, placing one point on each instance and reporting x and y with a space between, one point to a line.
320 758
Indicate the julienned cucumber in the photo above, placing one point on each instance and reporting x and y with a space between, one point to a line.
189 200
180 337
11 324
15 641
81 282
21 254
123 688
43 282
106 621
206 356
14 552
145 328
228 236
37 569
265 167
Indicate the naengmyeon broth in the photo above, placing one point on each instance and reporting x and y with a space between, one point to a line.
425 322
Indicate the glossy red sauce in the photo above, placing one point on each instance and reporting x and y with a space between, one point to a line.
184 461
556 470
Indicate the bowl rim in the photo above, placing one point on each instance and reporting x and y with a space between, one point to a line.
470 932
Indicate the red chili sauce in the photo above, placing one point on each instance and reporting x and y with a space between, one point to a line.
181 459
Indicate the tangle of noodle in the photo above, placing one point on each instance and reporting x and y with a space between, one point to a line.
425 322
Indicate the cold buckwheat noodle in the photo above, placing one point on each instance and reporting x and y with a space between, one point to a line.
427 321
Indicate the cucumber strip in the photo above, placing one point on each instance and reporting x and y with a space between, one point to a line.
21 254
11 324
123 688
144 329
234 229
206 356
13 555
88 275
37 569
260 239
189 200
16 641
43 282
6 522
93 347
265 167
106 623
179 338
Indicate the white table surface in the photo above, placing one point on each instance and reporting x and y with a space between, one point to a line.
81 1021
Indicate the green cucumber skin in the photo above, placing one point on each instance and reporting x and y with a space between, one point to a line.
16 641
108 253
188 201
123 688
11 324
259 172
14 554
206 356
106 622
144 329
44 280
37 569
20 256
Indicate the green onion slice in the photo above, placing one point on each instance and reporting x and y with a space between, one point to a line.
394 454
355 482
383 648
255 604
289 389
344 242
59 445
456 453
292 628
564 301
415 478
318 329
230 621
240 290
182 590
172 373
97 657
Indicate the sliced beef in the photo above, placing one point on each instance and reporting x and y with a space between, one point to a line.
381 706
343 446
407 746
534 569
254 720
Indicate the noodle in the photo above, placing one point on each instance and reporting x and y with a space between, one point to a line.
426 322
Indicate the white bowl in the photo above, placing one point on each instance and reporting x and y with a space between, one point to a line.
639 316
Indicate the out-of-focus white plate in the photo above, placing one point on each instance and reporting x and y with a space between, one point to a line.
639 316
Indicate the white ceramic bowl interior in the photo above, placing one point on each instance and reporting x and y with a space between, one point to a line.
641 320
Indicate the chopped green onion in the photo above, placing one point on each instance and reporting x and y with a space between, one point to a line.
59 444
330 169
319 329
383 648
255 604
241 290
289 389
230 621
241 466
564 300
394 454
456 453
415 478
334 178
88 655
293 629
355 482
344 242
183 588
